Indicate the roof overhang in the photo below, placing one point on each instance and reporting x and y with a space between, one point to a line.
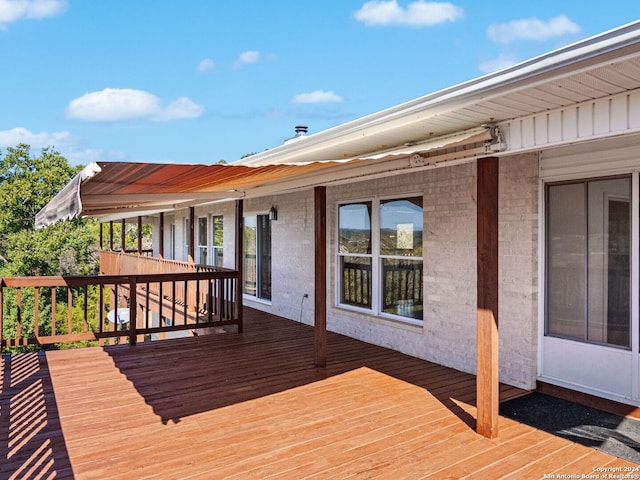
597 67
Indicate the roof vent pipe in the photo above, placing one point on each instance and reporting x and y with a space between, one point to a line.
301 132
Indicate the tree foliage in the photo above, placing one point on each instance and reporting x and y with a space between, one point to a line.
27 184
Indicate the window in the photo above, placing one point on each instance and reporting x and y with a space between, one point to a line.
588 261
186 239
172 242
217 240
201 236
380 256
257 256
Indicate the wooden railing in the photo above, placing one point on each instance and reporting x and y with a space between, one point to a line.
159 295
402 289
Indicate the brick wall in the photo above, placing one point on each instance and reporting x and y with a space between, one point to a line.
448 335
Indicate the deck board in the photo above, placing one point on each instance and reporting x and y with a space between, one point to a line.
252 405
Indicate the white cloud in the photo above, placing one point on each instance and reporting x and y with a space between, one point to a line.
502 61
183 107
15 136
319 96
72 147
416 14
532 29
248 57
114 104
205 65
14 10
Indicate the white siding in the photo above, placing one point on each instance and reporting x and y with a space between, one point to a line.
588 120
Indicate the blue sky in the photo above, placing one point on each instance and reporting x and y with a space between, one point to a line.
197 81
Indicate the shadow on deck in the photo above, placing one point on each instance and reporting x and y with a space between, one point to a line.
31 443
252 405
194 375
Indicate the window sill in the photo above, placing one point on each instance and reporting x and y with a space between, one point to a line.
261 301
411 325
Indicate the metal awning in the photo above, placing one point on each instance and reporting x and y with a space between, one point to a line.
129 189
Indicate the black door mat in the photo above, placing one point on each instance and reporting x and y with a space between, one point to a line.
613 434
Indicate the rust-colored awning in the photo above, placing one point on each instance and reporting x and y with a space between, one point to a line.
127 189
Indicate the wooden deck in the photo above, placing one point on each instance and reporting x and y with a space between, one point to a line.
252 406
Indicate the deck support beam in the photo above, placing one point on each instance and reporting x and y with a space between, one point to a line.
161 239
320 292
487 314
123 235
192 236
139 235
239 246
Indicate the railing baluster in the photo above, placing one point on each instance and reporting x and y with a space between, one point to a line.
36 312
1 314
19 314
85 327
186 301
133 311
53 311
101 313
173 303
146 307
69 310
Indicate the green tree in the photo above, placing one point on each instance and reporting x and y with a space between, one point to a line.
27 183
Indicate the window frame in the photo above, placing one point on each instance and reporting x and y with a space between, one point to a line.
201 248
259 264
377 259
213 248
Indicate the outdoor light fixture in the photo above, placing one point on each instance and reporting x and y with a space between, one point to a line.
273 214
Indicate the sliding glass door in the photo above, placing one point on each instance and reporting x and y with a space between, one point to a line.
590 322
588 261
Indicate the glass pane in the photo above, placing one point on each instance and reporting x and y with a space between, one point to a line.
249 264
402 287
202 231
609 261
217 239
355 228
186 238
566 260
201 255
217 259
264 253
356 281
401 227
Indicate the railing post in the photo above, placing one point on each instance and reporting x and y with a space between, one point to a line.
192 236
133 311
1 312
139 235
123 236
239 247
161 239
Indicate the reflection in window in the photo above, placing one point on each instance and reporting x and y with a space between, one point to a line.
217 240
201 249
257 256
383 274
